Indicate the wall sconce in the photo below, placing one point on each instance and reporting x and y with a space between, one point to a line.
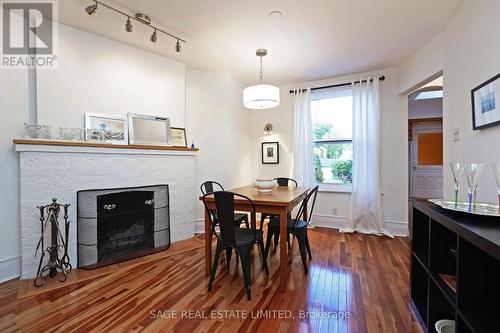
268 129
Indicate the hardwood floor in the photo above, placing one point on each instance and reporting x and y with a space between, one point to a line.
366 276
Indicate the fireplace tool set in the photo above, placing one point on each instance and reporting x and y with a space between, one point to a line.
49 218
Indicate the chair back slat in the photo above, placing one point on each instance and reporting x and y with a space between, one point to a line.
284 181
210 187
312 194
224 203
224 214
212 215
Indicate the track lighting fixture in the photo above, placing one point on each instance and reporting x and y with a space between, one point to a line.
128 25
154 37
139 17
91 9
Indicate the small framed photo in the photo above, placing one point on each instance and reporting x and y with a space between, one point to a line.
106 128
178 137
486 104
270 153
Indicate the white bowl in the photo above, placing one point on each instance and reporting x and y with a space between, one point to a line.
445 326
265 185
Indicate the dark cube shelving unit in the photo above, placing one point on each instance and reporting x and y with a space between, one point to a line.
455 269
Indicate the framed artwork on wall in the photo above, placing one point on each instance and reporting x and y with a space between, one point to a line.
270 153
106 128
486 104
178 137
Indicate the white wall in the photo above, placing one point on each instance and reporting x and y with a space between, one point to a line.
332 209
471 55
97 74
13 113
220 126
425 63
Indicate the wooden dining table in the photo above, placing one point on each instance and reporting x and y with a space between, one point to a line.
281 201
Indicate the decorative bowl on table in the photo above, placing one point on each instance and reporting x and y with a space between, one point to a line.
265 185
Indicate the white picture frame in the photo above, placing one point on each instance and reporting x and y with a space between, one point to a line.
149 130
106 128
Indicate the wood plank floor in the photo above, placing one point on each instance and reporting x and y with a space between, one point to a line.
366 276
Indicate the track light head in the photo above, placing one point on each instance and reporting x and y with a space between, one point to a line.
91 9
128 25
154 37
178 47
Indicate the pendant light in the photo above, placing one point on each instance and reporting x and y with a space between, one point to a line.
261 96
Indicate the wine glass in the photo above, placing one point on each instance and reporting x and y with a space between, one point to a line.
473 172
496 171
457 170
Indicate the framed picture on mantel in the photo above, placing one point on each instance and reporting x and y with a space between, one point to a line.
270 153
178 137
486 104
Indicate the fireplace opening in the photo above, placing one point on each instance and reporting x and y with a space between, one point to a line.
125 222
120 224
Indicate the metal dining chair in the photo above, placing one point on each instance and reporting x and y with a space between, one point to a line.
282 181
212 186
295 227
230 237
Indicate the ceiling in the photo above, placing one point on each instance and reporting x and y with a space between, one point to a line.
314 39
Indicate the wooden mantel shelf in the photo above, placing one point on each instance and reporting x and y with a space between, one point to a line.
95 145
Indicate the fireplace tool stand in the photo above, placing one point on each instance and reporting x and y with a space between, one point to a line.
49 215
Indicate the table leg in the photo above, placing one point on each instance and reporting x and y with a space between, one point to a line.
283 250
208 244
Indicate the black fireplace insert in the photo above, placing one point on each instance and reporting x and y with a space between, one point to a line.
119 224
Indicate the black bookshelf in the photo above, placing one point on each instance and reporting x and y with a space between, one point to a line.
455 268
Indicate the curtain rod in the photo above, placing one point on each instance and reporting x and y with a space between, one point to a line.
382 78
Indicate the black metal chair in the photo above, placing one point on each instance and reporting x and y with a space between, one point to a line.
209 187
231 237
295 227
282 181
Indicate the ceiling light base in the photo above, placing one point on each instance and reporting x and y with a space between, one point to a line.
261 52
143 18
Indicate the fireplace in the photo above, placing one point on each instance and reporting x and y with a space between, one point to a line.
119 224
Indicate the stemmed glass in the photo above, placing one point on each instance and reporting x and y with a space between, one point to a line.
457 170
496 171
473 172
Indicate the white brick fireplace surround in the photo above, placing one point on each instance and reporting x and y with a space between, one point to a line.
60 171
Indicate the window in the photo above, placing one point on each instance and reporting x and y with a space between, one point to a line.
331 112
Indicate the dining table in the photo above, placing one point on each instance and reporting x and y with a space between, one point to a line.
279 201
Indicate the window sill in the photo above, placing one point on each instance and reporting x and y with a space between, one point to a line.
335 188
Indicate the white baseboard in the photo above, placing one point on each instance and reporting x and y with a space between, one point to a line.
199 226
397 228
10 268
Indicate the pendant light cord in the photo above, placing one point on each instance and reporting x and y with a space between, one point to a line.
261 80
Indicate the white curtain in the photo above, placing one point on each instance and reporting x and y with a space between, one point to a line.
303 165
366 202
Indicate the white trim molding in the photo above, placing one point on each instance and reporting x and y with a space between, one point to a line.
397 228
10 268
199 226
